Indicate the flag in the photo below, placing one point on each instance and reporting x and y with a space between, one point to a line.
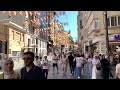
44 18
57 14
30 13
63 12
38 13
41 19
20 12
60 12
47 17
38 21
4 12
34 13
9 13
25 13
43 13
32 21
54 13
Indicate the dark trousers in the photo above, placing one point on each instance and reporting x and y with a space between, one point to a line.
45 71
105 74
71 67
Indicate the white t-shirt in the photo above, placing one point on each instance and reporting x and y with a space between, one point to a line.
45 64
86 55
90 62
79 61
118 70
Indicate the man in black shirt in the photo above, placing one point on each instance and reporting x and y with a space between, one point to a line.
30 71
71 58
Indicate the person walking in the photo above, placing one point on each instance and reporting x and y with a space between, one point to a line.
71 58
90 64
30 71
45 66
74 64
96 63
36 61
117 71
55 62
105 70
8 72
79 62
64 63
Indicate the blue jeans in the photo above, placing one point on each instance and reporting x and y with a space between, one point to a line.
90 69
78 71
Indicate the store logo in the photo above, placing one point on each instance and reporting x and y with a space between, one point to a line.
117 37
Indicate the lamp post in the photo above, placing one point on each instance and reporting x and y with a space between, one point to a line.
106 36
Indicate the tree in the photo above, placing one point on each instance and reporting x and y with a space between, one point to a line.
71 43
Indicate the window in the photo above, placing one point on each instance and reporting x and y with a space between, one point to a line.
40 43
81 24
18 36
36 41
36 50
108 21
118 20
13 35
113 21
96 23
29 42
6 47
92 25
23 37
33 41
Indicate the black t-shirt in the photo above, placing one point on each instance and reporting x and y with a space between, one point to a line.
104 64
33 74
71 58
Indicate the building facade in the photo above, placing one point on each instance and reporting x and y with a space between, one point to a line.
92 33
13 33
36 33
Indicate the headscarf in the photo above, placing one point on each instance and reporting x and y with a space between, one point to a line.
95 61
4 71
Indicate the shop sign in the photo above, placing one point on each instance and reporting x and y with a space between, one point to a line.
117 37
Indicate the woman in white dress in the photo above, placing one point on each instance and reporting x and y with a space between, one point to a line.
90 65
95 62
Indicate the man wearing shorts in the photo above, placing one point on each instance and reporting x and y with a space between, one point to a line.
55 63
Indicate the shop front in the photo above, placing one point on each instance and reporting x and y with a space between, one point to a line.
113 42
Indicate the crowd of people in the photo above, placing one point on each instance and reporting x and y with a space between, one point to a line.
98 65
36 67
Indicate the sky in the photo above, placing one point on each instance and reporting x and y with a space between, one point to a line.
71 18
